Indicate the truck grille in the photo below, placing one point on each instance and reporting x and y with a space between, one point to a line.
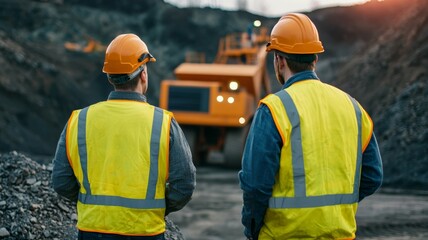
192 99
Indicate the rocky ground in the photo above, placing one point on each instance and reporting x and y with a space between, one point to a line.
395 215
30 209
214 213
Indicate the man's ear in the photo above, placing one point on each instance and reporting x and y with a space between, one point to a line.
281 62
143 76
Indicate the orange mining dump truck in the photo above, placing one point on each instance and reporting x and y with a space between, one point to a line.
214 102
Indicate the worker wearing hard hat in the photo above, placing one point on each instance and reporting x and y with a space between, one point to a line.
126 162
311 154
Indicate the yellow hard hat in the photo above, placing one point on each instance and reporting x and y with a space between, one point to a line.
295 33
125 54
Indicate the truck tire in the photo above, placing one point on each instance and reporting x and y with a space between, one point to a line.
191 134
234 146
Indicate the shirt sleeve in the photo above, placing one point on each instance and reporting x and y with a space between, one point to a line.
260 164
371 169
182 172
63 180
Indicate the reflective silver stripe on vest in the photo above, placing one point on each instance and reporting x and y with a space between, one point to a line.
301 200
154 152
359 147
105 200
81 142
121 201
296 145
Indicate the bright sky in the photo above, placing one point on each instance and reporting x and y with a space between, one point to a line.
271 8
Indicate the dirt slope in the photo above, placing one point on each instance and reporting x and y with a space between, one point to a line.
389 77
41 82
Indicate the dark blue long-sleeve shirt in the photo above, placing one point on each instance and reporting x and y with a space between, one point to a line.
261 161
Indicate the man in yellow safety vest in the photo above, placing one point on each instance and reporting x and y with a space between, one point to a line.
126 163
311 154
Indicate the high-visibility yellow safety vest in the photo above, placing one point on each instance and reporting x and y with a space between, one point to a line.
324 133
118 150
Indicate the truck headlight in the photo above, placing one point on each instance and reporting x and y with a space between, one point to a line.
241 120
233 85
220 98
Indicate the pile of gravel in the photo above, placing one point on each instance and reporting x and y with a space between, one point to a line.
30 209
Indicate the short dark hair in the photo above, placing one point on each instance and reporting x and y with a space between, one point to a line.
296 67
299 62
128 85
121 82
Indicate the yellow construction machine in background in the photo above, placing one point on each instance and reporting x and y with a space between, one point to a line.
214 102
88 46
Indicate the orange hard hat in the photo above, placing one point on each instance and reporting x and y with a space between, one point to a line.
295 33
125 54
